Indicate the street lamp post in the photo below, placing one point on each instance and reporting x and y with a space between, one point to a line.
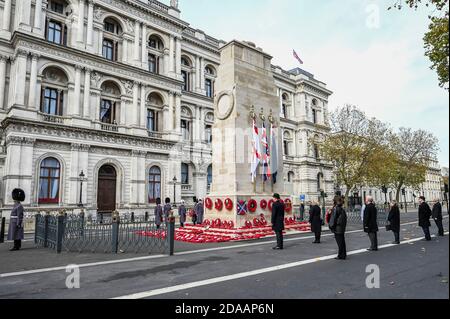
80 204
415 204
323 195
174 191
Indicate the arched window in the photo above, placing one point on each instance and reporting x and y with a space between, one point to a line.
285 105
210 75
54 89
109 103
315 118
154 108
155 54
184 174
186 66
316 152
154 184
186 123
49 181
111 39
55 27
156 43
291 176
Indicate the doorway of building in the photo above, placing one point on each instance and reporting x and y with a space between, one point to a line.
106 192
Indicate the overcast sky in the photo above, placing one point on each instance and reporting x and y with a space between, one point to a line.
374 61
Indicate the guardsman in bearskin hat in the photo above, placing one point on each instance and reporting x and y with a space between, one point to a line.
15 231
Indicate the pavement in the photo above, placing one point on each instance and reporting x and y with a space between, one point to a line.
415 269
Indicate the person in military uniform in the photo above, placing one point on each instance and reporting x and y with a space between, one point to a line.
158 213
182 213
15 231
199 211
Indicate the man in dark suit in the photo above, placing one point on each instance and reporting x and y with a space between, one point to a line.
424 217
371 223
278 220
437 216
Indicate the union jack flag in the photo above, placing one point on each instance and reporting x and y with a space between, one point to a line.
266 155
297 57
256 160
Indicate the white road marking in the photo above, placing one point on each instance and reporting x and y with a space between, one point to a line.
211 281
120 261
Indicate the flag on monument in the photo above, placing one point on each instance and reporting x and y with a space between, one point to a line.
297 57
273 153
266 155
256 146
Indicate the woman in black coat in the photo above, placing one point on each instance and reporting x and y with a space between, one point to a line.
315 219
394 220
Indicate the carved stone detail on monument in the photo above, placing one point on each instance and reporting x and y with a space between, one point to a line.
224 105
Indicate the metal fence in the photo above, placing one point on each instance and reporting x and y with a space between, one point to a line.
75 233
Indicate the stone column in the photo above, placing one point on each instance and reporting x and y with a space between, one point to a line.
123 111
76 101
137 31
172 54
80 27
26 166
2 81
72 197
100 41
166 70
124 50
178 56
170 121
197 73
136 111
134 178
166 118
20 78
87 93
33 81
177 127
90 23
202 74
6 15
143 108
144 55
23 15
197 123
37 16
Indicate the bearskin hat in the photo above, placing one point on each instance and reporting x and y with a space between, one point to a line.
18 195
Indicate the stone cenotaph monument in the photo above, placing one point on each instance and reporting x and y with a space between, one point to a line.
246 94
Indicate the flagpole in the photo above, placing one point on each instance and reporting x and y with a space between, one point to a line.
271 120
263 119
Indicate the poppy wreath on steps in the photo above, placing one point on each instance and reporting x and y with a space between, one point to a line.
248 224
252 206
228 204
257 222
218 204
270 204
263 204
242 208
288 205
208 203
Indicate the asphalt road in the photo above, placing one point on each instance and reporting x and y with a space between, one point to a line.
415 269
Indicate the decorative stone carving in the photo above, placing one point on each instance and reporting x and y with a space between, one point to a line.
224 105
130 25
98 12
128 86
96 79
174 4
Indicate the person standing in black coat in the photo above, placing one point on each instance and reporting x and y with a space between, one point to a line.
278 220
371 223
338 225
394 220
16 230
315 219
424 217
437 216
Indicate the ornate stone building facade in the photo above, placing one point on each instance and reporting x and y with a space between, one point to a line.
116 97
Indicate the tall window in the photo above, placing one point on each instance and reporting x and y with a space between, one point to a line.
153 63
49 180
209 88
155 42
56 32
184 174
285 111
316 152
314 113
286 148
186 130
107 112
111 26
185 76
209 176
320 185
154 184
108 50
52 101
208 134
152 120
56 6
